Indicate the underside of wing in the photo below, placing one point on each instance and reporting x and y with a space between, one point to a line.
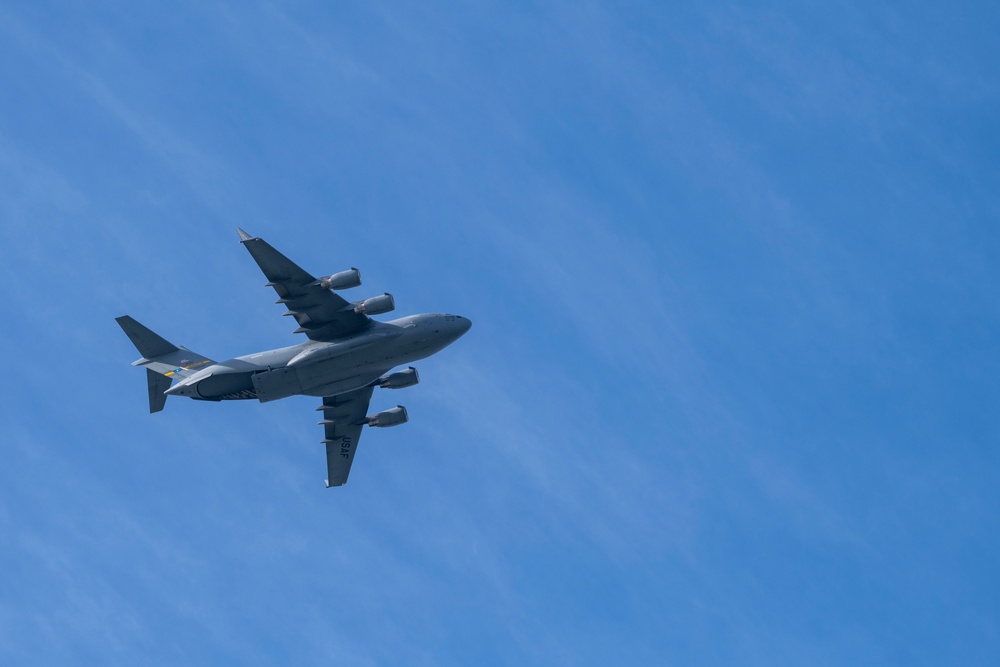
343 419
321 314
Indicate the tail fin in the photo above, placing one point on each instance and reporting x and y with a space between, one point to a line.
163 360
158 384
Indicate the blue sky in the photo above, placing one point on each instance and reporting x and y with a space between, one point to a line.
729 397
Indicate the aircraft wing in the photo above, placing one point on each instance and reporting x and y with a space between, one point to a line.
320 313
343 419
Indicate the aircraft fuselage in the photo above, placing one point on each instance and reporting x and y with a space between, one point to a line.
317 368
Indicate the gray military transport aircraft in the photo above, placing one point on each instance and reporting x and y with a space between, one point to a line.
347 355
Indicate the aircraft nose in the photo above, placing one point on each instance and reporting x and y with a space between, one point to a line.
464 324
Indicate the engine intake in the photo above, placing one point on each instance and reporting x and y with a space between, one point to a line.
375 305
391 417
342 280
400 379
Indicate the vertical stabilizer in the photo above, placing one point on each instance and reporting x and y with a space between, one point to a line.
157 385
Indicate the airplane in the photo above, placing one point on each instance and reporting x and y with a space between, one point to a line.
347 355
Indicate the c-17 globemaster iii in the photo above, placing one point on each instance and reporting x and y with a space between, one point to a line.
347 355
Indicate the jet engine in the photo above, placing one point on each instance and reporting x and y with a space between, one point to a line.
391 417
342 280
399 380
375 305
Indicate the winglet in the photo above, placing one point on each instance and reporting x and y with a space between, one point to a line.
243 235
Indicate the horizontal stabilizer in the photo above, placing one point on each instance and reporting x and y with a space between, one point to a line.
161 356
149 344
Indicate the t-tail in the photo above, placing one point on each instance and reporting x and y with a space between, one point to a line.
163 360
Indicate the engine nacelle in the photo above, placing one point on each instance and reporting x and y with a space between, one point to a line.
399 380
375 305
342 280
391 417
